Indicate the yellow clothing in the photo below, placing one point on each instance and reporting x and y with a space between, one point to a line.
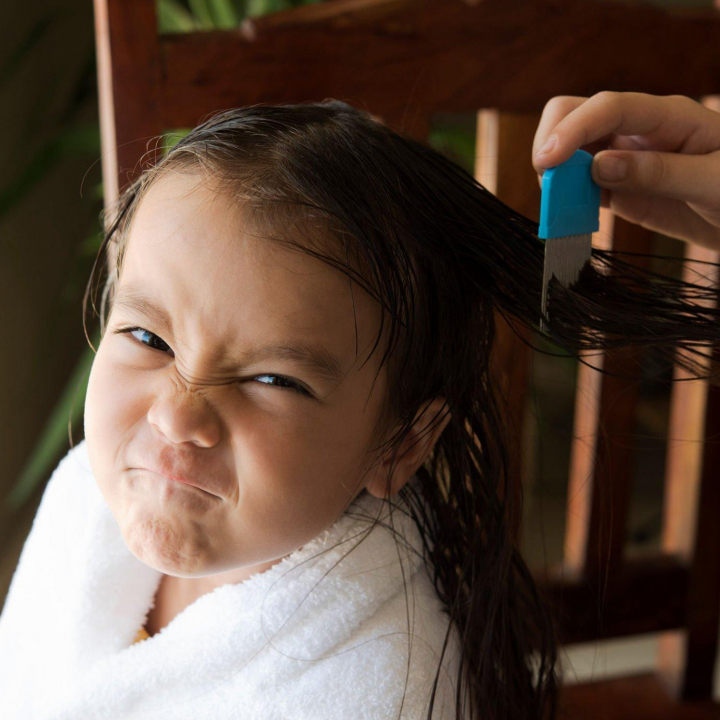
142 634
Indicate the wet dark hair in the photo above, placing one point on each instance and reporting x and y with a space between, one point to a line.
441 254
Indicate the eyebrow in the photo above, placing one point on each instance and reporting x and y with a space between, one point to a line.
313 357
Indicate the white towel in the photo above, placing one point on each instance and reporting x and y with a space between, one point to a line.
285 643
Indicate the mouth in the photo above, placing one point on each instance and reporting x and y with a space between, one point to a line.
179 480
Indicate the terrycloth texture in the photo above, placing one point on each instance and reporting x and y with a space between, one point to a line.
263 648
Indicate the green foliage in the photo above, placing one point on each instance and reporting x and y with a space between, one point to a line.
61 425
176 16
172 137
25 49
70 140
173 17
72 137
457 142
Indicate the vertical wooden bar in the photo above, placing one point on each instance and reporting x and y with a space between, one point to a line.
588 384
503 165
129 77
602 454
686 432
686 660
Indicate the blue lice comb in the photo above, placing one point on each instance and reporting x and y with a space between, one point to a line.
569 215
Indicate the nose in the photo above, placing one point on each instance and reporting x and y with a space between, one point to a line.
186 418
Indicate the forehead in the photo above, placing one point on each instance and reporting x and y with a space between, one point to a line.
189 249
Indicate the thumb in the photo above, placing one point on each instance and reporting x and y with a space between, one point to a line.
679 176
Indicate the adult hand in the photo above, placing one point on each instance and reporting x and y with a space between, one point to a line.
656 158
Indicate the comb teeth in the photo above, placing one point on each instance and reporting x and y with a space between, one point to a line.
565 258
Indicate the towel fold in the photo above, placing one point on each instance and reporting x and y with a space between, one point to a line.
307 639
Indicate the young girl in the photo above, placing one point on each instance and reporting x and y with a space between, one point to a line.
293 480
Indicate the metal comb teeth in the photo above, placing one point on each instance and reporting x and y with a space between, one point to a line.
565 258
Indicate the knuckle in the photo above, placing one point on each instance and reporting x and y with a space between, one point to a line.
653 170
680 100
685 106
639 95
606 96
553 102
560 105
556 109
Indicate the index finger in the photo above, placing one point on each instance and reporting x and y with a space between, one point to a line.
554 111
667 120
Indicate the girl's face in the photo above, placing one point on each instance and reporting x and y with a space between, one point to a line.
202 389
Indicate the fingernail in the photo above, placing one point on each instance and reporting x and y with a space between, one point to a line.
612 169
548 146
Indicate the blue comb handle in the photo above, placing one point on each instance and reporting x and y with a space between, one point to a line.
570 199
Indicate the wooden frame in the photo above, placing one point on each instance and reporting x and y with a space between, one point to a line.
508 57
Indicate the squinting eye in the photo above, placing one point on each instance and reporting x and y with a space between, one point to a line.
146 332
285 382
290 385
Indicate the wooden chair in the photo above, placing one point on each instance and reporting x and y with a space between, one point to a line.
501 59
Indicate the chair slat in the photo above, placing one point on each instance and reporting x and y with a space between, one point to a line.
644 595
502 164
129 84
637 697
687 660
441 56
602 455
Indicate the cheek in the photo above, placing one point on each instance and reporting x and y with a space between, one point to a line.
304 462
112 406
111 394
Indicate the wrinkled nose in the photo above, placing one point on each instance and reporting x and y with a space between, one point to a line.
185 418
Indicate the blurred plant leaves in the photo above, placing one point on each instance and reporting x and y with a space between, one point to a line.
25 48
171 138
61 424
224 13
192 15
71 140
458 143
173 17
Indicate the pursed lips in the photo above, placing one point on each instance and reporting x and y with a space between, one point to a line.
179 479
